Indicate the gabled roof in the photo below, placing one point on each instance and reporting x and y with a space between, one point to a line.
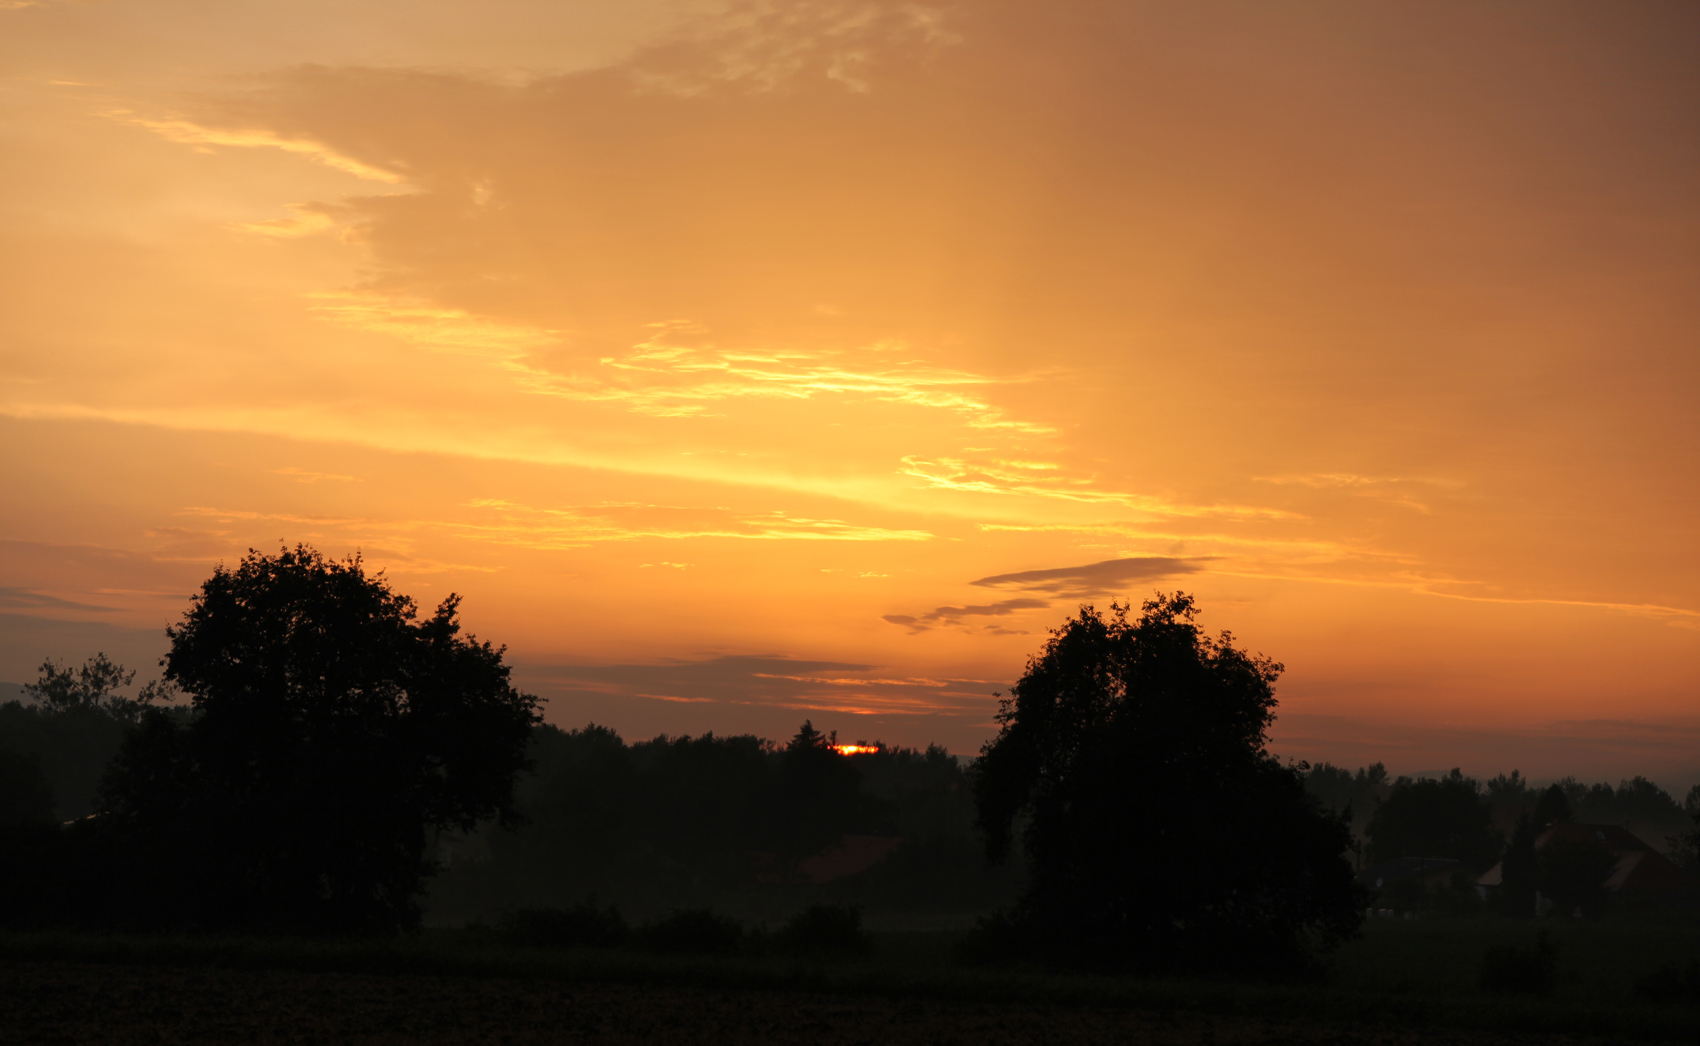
1639 868
1615 838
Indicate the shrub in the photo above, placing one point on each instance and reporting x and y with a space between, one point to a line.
1514 970
582 925
694 931
1672 983
823 928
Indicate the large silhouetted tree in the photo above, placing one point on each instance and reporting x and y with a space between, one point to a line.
1158 828
333 733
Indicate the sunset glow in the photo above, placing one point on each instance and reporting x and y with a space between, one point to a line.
742 363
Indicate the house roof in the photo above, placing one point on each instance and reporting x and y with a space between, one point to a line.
1615 838
1639 868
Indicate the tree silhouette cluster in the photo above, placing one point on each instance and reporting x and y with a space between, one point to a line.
333 732
1132 766
695 821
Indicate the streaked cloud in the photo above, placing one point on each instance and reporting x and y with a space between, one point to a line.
191 133
668 376
25 599
301 475
1047 481
1092 578
578 526
958 615
768 681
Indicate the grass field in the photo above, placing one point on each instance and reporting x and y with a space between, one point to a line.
1402 981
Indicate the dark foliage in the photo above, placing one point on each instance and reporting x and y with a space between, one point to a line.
824 929
26 796
1573 873
704 821
1342 791
1444 817
1160 832
1553 807
1672 983
818 798
333 734
693 931
93 688
1520 871
74 724
584 925
1517 970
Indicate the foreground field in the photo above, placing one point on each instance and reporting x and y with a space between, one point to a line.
1402 982
119 1005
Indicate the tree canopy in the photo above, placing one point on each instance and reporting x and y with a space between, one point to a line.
1158 828
333 733
1435 817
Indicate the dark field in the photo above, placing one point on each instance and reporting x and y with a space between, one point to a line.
69 1003
1402 983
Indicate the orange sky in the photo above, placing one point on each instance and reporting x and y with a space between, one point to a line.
746 362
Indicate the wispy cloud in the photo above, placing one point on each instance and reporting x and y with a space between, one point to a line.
27 599
1092 577
763 46
956 615
771 681
581 525
668 376
308 220
526 526
190 133
1395 489
300 475
433 326
1024 479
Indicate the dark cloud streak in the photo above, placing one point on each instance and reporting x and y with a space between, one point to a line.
1093 577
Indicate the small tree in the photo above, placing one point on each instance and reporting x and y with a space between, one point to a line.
1159 831
93 688
1553 807
817 796
1520 870
333 734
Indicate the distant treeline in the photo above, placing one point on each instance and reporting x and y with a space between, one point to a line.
729 821
1471 820
649 825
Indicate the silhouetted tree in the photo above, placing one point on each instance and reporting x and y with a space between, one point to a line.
26 797
1553 807
1520 870
93 687
1159 831
333 734
818 795
73 725
1444 817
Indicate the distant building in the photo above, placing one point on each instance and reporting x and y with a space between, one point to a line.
1641 871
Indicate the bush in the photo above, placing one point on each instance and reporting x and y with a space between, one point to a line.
582 925
1672 983
823 928
1515 970
693 931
